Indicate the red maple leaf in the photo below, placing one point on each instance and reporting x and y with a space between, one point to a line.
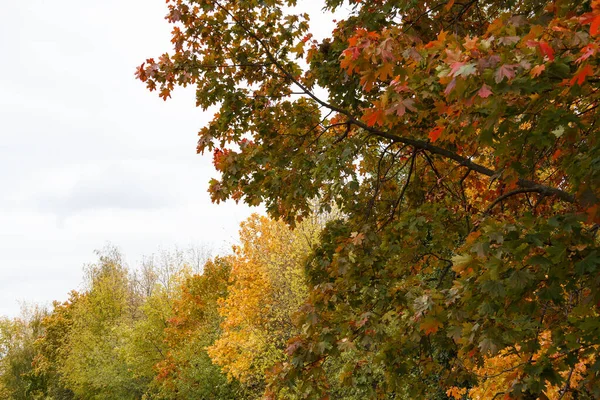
595 26
580 76
547 50
435 133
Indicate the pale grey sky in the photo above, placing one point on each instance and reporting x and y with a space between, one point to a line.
87 155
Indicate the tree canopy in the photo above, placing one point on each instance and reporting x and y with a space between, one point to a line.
431 174
458 138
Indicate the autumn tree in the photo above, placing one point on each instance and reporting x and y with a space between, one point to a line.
459 139
186 371
18 379
267 286
51 349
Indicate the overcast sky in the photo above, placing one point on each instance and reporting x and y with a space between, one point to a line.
87 154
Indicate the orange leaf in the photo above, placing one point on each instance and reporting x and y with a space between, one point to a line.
595 26
373 35
556 154
587 51
373 116
580 76
430 325
385 71
164 93
537 70
441 38
472 236
435 133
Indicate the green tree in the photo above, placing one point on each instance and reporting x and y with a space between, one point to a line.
17 337
93 365
459 139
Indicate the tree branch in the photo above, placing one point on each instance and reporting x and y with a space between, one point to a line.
500 199
418 144
565 389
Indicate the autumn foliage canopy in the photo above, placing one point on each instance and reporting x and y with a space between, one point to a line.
459 140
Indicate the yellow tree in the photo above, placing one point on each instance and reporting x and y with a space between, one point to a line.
502 371
267 287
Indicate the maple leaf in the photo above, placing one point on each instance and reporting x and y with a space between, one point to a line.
580 76
435 133
368 79
547 50
487 345
385 49
508 40
595 26
357 238
441 38
400 107
537 70
505 71
373 116
345 345
399 87
455 66
293 346
484 92
347 62
587 51
450 86
471 43
373 35
430 325
556 154
460 262
456 392
453 56
164 93
466 70
385 71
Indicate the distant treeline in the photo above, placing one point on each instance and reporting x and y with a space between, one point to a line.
181 325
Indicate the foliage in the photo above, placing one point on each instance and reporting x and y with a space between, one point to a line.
267 288
143 338
460 141
52 347
93 366
498 372
186 370
17 336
